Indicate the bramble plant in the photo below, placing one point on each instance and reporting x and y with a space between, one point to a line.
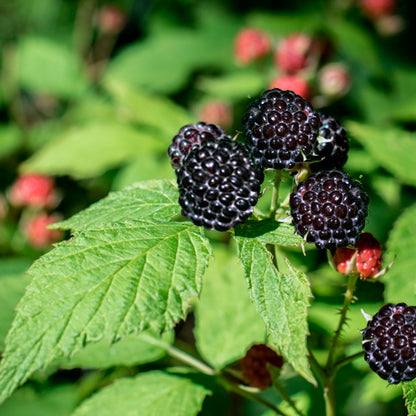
230 246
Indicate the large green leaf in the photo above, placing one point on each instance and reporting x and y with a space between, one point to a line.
227 323
131 350
153 200
111 281
143 107
392 147
400 285
90 150
148 394
409 390
10 139
46 66
281 299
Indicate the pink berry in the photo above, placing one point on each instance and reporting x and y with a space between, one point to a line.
111 19
368 261
376 9
292 83
216 112
250 45
294 53
36 232
334 80
34 190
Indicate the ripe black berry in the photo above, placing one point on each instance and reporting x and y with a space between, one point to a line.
329 209
190 136
219 184
389 343
332 146
281 129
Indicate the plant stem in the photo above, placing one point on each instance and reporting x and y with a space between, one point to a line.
275 195
329 396
280 388
340 363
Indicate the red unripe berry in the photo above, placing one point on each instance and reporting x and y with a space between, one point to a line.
250 45
111 19
368 261
36 232
34 190
292 83
334 80
254 365
376 9
216 112
293 53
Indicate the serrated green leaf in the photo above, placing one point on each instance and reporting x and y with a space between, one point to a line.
132 350
90 150
409 390
55 401
227 323
148 394
111 281
153 200
392 147
146 108
46 66
281 300
270 231
400 286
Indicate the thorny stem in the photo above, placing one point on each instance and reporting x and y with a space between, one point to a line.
206 369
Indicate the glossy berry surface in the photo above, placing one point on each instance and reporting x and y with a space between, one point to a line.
191 136
368 260
219 184
329 209
281 129
332 145
389 343
254 365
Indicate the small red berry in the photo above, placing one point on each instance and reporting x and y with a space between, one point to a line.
294 53
111 18
334 80
216 112
375 9
250 45
34 190
36 232
254 365
292 83
368 260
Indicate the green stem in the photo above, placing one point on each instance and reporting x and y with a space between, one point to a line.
285 396
344 361
275 195
329 396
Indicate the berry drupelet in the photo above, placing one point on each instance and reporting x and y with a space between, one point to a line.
190 136
281 129
389 343
329 209
219 184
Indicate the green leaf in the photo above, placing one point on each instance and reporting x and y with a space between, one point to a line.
409 390
13 282
91 150
53 401
270 231
10 140
130 351
45 66
148 394
235 85
152 200
392 147
281 299
111 281
227 323
143 107
400 287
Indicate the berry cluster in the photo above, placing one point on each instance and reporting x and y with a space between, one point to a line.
254 365
389 343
